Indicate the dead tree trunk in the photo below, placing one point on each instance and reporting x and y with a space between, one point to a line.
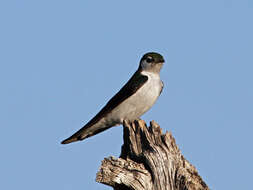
149 160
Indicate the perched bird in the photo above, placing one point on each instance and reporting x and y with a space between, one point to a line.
135 98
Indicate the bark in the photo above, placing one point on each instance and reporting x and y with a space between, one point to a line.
149 160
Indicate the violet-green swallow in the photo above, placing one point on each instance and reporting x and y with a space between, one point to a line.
135 98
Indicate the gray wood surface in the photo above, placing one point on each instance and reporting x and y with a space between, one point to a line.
149 160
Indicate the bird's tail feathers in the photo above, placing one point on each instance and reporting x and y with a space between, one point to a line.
85 132
74 138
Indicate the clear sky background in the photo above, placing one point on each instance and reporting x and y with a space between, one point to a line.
61 61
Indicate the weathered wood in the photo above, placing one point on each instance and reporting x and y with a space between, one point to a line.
149 160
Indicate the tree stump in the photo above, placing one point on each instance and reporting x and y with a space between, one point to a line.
149 160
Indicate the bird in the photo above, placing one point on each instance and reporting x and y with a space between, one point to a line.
135 98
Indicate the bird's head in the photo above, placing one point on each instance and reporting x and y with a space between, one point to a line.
151 62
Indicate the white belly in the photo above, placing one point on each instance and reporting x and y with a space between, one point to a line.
137 104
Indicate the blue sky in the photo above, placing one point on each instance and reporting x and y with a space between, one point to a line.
61 61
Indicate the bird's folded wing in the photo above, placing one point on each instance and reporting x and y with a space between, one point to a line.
136 82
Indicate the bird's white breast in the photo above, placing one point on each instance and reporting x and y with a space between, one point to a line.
140 102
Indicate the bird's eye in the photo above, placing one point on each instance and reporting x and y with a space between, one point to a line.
149 59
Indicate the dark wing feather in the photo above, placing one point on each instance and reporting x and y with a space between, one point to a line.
162 87
136 82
